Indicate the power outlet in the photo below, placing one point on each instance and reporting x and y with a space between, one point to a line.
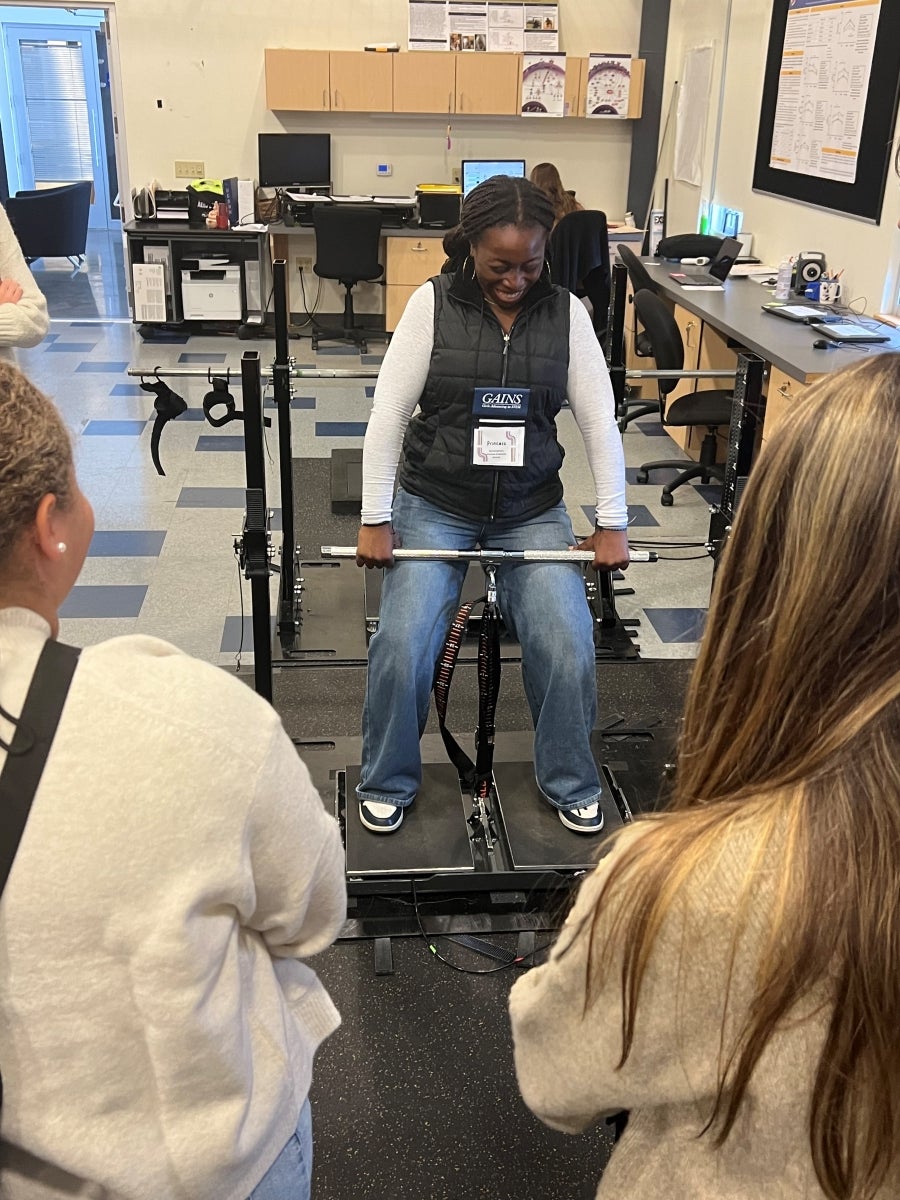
188 169
303 264
455 175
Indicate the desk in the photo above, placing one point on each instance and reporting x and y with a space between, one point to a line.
713 322
171 242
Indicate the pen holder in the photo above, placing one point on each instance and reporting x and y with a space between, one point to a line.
829 291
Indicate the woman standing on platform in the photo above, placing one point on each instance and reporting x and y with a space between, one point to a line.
729 973
492 336
157 1022
547 178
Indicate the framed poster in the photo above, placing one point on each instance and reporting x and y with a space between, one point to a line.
829 104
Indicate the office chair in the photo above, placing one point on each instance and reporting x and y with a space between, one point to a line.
347 242
578 252
709 408
641 281
52 222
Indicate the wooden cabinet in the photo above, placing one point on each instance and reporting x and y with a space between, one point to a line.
782 393
576 84
298 80
424 82
361 82
409 262
488 83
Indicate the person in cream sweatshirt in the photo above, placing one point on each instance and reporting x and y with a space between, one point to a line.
23 309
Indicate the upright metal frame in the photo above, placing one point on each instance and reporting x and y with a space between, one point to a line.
254 550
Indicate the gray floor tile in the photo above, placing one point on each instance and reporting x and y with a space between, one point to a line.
70 347
204 357
334 429
102 368
220 442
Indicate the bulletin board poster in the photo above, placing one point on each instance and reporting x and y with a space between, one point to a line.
468 26
823 85
541 28
429 25
506 28
608 85
543 85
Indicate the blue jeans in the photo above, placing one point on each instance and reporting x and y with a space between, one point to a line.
290 1175
545 608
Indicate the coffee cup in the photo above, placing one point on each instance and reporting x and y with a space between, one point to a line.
829 291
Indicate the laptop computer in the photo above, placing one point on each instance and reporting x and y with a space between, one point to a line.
718 269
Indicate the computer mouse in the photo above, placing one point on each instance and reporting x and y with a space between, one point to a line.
821 344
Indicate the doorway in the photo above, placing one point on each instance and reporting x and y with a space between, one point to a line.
59 124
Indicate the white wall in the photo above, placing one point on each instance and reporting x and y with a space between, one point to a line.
205 62
868 253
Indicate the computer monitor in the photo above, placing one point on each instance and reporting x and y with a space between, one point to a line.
477 170
302 159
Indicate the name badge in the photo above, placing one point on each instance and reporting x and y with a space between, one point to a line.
501 403
498 446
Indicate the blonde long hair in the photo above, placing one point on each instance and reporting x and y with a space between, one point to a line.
792 731
547 178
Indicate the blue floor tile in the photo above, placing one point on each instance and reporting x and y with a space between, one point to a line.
338 350
51 337
638 515
114 428
297 402
104 600
192 414
711 492
371 360
102 368
71 348
128 389
650 428
341 428
202 358
231 634
220 441
677 624
127 543
370 392
168 339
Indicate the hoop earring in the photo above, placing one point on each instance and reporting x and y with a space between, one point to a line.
466 263
547 269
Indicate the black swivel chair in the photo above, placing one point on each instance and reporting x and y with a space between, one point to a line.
579 260
709 408
52 222
641 281
347 242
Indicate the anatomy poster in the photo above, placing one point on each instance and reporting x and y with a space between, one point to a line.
608 85
823 83
543 85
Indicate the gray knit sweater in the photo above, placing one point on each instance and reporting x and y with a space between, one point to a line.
566 1059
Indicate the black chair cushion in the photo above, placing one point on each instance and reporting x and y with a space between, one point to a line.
347 242
701 408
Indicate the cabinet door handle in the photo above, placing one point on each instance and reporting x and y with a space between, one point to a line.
324 97
419 247
688 329
785 390
462 101
449 102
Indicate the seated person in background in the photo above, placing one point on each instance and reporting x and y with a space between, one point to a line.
729 972
546 177
23 309
157 1024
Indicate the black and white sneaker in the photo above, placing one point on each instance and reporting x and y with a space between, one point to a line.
582 820
380 818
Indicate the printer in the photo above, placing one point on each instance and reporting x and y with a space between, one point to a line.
211 289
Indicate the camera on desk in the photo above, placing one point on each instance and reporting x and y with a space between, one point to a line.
809 268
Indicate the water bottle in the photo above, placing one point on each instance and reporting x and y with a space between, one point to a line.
783 279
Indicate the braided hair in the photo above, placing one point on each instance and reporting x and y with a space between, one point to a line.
500 200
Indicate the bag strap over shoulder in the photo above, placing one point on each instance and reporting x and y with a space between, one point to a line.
28 750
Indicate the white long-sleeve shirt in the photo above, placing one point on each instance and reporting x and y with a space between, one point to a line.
26 323
401 382
157 1022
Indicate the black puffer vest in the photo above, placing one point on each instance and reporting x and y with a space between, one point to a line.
469 347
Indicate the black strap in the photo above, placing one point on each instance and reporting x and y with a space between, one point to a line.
474 776
28 750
